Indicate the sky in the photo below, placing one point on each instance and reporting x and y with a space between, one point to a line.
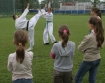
40 0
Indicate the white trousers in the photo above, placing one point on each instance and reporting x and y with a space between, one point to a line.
32 23
48 31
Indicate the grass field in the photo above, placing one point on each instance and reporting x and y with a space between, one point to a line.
42 68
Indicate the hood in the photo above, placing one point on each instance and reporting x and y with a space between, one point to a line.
67 51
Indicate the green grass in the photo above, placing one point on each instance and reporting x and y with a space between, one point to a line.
42 68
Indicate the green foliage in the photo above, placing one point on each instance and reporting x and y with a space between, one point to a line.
21 4
36 4
95 2
43 3
42 66
55 4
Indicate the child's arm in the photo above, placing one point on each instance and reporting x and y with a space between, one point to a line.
25 11
43 10
53 51
9 66
84 44
52 55
31 56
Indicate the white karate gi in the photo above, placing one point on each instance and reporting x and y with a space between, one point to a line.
48 27
21 23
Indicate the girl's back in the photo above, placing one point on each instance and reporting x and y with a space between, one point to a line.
63 56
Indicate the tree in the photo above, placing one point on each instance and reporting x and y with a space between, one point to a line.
36 4
43 3
95 2
21 4
55 4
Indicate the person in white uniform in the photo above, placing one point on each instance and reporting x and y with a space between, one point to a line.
24 24
48 30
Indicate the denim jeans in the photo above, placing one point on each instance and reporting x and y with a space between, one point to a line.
92 67
23 81
62 77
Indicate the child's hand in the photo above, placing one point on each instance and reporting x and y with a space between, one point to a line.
45 5
28 4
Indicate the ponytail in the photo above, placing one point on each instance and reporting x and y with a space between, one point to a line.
20 53
20 40
99 14
97 11
99 31
64 34
65 38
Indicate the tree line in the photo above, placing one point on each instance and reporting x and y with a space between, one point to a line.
21 4
34 4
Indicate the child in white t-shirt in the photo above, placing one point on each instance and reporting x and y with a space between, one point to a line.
20 62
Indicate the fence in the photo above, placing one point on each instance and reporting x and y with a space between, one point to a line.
6 7
69 11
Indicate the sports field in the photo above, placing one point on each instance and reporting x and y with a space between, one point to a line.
42 67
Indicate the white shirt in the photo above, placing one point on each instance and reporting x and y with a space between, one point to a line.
22 70
48 16
43 11
21 22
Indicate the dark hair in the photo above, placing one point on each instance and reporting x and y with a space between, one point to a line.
50 9
20 39
14 17
64 34
97 11
98 28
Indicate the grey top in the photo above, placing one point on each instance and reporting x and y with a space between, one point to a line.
63 56
89 47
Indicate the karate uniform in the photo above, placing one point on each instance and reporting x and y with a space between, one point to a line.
48 30
21 23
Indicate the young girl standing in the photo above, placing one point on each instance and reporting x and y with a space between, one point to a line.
91 46
20 62
63 52
95 12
